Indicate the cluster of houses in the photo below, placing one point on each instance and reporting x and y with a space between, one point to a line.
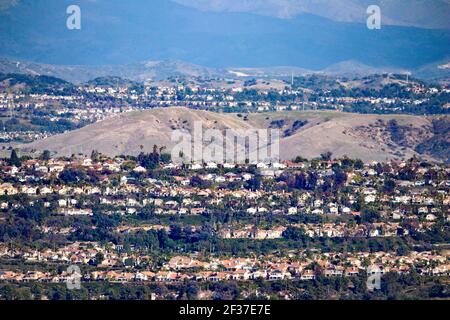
125 187
92 103
300 265
324 230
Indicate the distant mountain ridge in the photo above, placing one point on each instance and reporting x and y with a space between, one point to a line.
117 32
161 70
418 13
353 68
140 72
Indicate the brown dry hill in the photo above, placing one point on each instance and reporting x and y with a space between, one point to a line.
309 134
367 137
134 132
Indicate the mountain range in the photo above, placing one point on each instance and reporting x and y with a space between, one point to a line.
140 72
116 32
161 70
417 13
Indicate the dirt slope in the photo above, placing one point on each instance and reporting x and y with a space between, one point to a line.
309 134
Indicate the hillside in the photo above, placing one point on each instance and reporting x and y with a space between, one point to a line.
355 68
139 71
419 13
32 84
134 132
309 134
368 137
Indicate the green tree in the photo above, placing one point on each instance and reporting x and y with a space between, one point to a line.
389 186
14 159
99 257
326 156
46 155
95 155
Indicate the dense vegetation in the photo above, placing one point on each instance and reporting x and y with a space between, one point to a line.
36 84
393 286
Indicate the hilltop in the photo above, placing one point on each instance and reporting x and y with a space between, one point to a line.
32 84
134 132
308 134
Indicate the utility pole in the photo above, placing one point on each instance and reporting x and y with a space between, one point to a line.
7 107
306 101
117 95
10 105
